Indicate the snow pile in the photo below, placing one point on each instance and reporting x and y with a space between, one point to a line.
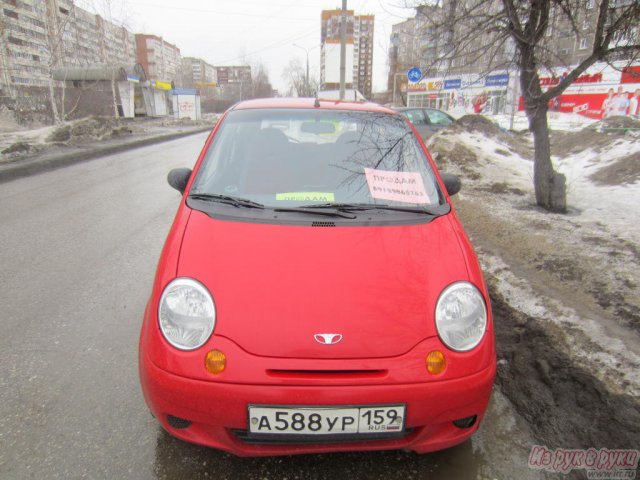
576 271
614 205
504 157
556 121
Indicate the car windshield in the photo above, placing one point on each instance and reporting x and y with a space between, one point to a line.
437 117
300 157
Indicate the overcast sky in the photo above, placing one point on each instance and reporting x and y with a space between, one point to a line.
233 32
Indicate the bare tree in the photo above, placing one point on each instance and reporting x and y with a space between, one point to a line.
298 83
56 26
499 34
260 85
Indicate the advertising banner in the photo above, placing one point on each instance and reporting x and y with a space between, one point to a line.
602 91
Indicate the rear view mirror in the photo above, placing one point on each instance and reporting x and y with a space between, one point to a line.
451 182
318 127
178 178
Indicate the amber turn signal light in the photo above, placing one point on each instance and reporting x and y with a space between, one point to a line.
436 362
215 362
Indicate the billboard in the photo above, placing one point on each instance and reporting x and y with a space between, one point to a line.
233 75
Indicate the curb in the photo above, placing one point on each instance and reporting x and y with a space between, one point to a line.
19 169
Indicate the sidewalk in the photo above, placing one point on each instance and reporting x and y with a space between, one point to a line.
61 155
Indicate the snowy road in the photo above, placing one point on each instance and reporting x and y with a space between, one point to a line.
78 249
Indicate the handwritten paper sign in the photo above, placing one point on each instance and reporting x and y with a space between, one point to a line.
399 186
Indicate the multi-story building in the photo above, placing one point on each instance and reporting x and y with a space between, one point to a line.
40 36
196 73
24 47
159 58
359 51
405 49
479 69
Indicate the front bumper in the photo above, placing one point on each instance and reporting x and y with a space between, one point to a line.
218 411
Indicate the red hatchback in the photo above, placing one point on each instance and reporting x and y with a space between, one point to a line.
316 291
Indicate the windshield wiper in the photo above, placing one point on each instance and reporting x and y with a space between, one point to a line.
355 207
228 199
329 213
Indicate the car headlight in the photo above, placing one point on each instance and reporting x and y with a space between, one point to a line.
461 316
186 314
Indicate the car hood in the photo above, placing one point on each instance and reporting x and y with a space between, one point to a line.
276 287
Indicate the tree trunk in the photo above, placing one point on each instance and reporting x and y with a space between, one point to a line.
52 100
550 186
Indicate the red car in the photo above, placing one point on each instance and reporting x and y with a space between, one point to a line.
317 291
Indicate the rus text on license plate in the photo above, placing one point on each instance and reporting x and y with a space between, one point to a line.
326 420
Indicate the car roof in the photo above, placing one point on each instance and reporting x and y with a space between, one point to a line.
278 102
404 109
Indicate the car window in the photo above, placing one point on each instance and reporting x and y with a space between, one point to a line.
293 157
439 118
415 116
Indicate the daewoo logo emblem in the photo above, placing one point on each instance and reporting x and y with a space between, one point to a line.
328 338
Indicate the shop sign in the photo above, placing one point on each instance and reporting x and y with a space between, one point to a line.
454 84
501 80
435 85
548 81
417 87
158 85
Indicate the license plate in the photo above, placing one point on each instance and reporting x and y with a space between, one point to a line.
358 420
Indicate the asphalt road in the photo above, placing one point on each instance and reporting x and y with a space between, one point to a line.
78 249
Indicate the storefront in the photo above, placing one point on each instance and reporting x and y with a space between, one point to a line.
463 94
603 90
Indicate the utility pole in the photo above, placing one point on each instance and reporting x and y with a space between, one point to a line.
343 47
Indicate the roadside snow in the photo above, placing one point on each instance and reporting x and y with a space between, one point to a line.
588 340
556 121
616 207
577 271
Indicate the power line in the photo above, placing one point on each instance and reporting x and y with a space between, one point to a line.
276 44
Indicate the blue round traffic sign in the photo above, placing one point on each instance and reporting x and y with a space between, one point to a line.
414 74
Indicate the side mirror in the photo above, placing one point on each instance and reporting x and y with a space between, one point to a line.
178 178
451 182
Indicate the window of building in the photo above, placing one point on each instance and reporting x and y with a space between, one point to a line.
589 4
14 40
10 13
583 43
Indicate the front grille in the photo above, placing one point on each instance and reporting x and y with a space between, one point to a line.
327 374
323 224
243 436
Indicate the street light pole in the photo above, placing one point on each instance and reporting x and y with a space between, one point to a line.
306 78
395 82
307 83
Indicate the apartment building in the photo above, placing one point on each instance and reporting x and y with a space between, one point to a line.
404 51
24 47
159 58
416 43
456 76
196 73
40 36
359 51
